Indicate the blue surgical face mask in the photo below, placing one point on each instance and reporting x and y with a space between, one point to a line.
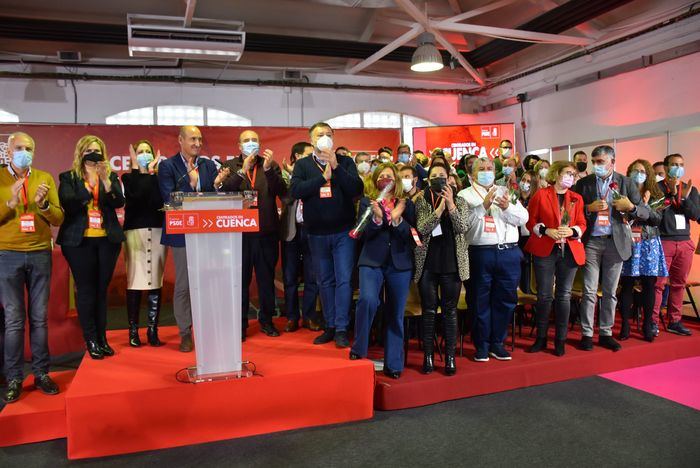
404 158
485 178
22 159
250 147
600 170
144 159
639 177
507 171
676 172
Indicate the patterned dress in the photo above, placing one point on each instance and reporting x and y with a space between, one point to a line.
647 259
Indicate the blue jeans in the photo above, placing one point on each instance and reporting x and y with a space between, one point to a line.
396 283
30 271
494 277
296 254
333 258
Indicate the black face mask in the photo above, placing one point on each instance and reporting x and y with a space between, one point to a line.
581 166
93 156
438 184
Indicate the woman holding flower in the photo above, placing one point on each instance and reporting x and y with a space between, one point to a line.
556 224
647 262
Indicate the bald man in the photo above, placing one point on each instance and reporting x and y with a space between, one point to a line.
254 169
186 171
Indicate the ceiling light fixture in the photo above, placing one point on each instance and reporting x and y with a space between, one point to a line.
427 57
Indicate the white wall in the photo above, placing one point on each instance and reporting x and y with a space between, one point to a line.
664 97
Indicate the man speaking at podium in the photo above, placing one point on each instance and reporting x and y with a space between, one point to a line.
184 172
256 171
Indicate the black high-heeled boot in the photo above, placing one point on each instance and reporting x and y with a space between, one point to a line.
625 329
559 347
450 319
104 346
428 326
133 302
153 315
646 326
94 350
540 344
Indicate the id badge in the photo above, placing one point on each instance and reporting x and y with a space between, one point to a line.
603 219
325 191
254 201
437 231
416 237
489 224
26 223
680 222
636 233
95 219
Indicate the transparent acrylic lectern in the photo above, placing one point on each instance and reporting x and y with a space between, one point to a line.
214 270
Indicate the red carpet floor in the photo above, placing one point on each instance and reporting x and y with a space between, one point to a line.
479 378
132 402
36 417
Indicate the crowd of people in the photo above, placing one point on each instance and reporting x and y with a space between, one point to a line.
383 224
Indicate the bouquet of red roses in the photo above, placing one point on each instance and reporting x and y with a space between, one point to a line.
615 189
660 204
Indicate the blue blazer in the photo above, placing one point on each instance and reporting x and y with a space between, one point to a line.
385 240
172 177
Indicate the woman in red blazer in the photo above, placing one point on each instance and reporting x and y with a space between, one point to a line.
557 224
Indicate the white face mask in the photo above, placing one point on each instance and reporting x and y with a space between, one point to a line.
324 143
407 185
363 167
659 178
543 173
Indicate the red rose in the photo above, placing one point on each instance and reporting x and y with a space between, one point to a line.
613 185
667 202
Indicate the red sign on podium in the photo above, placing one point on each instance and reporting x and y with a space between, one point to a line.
210 221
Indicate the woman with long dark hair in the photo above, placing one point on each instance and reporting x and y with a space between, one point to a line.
90 236
145 255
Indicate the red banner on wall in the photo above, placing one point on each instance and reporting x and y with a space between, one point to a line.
459 140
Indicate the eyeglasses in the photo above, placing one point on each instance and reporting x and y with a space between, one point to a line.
507 147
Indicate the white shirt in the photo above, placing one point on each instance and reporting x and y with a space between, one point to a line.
507 221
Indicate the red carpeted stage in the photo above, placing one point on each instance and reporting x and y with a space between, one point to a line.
132 402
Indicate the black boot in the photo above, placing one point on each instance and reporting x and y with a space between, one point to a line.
94 350
559 348
153 315
104 346
647 328
133 302
539 345
625 329
428 325
450 319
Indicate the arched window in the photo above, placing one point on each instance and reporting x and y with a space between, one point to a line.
380 119
8 117
178 115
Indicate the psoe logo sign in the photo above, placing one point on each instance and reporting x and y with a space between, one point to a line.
490 132
176 220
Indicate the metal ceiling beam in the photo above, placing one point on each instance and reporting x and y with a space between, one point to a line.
476 12
189 12
390 47
505 33
410 8
587 29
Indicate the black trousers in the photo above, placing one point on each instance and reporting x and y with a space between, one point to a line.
92 265
648 297
260 253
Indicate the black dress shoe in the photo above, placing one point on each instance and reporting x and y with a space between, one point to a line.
586 343
341 340
292 326
450 365
94 350
269 329
186 344
392 374
44 383
428 365
609 343
106 349
559 348
13 391
354 356
325 337
625 330
540 344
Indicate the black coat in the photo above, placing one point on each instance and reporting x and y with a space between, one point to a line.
74 198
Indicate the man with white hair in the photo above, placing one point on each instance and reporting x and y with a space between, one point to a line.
28 208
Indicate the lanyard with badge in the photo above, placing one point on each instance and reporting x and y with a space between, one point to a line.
325 190
676 202
94 214
437 231
489 221
603 219
26 220
252 180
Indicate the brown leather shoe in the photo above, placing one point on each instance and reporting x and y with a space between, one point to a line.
186 344
292 326
311 325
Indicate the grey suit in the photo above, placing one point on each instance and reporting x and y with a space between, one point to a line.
606 253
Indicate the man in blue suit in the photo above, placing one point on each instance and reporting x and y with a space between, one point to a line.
184 172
